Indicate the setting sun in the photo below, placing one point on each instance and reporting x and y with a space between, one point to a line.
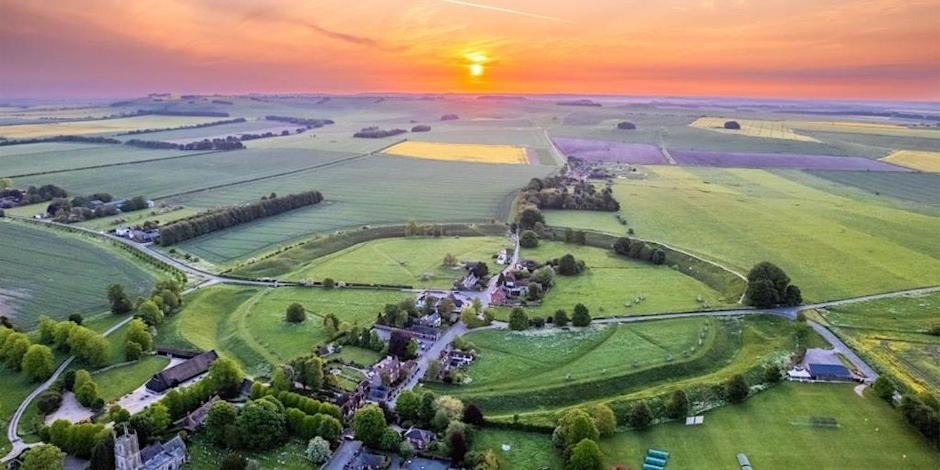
476 70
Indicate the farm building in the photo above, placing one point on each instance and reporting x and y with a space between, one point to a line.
180 373
824 364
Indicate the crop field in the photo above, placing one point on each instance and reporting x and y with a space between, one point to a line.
893 334
185 136
779 160
100 126
918 160
767 427
919 192
162 178
476 153
248 325
600 151
832 245
49 272
31 159
864 128
402 261
448 192
752 128
612 284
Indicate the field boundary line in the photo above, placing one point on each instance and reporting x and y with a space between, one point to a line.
108 165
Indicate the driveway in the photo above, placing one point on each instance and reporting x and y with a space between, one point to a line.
343 455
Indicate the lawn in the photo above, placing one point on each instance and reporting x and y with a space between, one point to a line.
205 456
527 450
247 324
50 272
101 126
119 381
892 334
767 427
612 284
477 153
402 261
356 355
833 244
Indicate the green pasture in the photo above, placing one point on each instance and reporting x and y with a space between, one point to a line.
919 192
216 132
768 428
247 324
57 274
831 245
403 261
62 157
612 284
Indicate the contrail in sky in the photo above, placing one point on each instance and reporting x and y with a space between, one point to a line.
505 10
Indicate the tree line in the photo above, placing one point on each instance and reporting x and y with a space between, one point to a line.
32 195
639 250
308 122
193 126
228 143
62 138
374 132
231 216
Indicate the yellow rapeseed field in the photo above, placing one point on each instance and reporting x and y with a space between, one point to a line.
476 153
916 159
752 128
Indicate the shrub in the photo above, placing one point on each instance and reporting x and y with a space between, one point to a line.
581 317
772 374
528 239
884 388
49 401
518 320
586 455
736 389
604 419
678 406
296 313
641 416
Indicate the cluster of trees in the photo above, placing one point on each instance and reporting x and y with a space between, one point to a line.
403 346
193 126
43 457
444 415
267 421
421 128
414 229
528 239
138 340
85 389
81 208
75 439
921 411
362 337
306 122
62 138
398 315
553 193
474 315
235 215
450 117
567 265
164 299
732 125
374 132
626 125
169 112
576 236
519 320
70 337
32 195
639 250
18 353
307 370
227 143
769 286
296 313
577 434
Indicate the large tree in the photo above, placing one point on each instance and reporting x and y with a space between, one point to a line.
518 320
226 376
261 424
221 417
736 389
586 455
38 363
582 316
120 303
769 286
44 457
369 425
574 426
640 415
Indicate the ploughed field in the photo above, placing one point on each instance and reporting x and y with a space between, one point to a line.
49 272
832 240
248 325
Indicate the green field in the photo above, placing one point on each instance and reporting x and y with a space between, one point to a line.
205 456
892 333
448 192
539 373
215 132
119 381
613 282
831 245
247 324
767 427
402 261
57 274
61 157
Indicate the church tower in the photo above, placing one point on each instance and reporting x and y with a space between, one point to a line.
127 451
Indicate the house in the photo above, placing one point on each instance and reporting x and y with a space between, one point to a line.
144 236
182 372
366 461
499 296
170 455
433 320
420 439
456 359
122 231
353 401
197 417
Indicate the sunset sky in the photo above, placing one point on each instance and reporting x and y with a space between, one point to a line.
877 49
